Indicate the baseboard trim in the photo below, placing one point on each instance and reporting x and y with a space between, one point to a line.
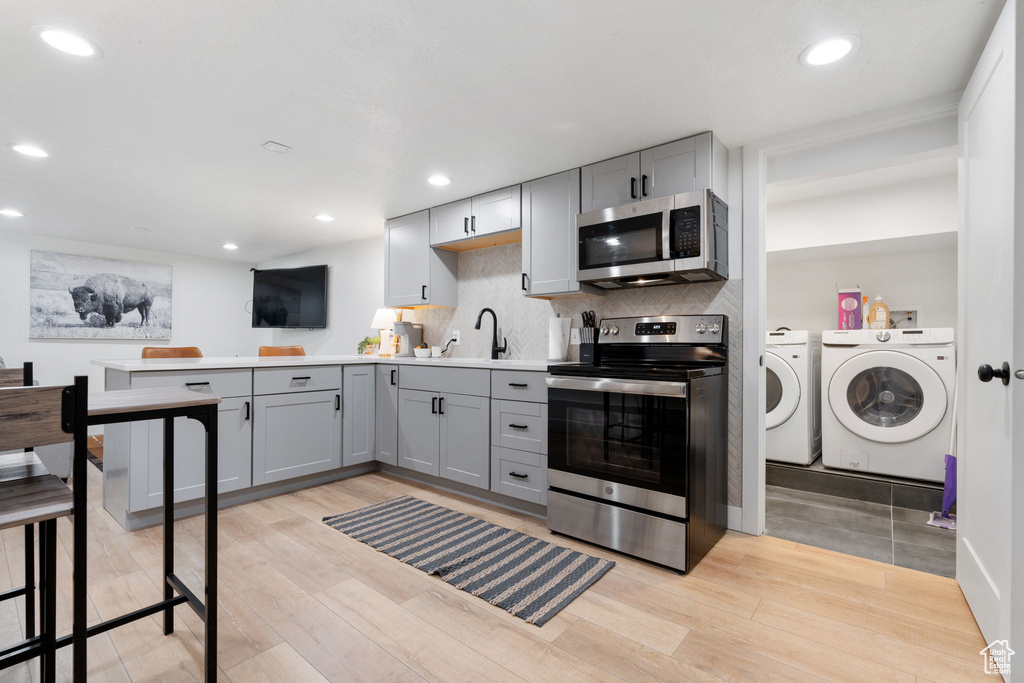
734 517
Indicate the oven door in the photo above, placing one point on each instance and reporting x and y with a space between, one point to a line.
621 440
625 241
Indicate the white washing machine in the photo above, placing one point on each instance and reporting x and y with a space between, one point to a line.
887 401
792 407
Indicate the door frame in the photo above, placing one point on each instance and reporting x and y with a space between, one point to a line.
916 127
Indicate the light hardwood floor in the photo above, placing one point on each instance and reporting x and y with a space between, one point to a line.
303 602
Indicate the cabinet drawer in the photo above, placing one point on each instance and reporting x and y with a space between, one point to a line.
294 379
223 383
519 479
519 425
519 385
467 381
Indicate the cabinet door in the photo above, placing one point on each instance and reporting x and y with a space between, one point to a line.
465 439
359 408
450 222
669 169
295 435
496 211
550 206
408 259
418 431
234 455
387 414
610 183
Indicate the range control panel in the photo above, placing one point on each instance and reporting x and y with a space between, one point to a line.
664 329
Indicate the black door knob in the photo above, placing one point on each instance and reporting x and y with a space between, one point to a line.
987 372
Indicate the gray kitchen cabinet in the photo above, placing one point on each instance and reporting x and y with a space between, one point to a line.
450 222
419 431
610 183
359 409
550 206
464 439
386 419
295 434
416 274
484 214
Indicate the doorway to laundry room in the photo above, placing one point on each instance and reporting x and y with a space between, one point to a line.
860 345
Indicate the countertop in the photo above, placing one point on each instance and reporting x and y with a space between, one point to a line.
199 364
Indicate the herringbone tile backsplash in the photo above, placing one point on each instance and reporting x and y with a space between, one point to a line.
491 278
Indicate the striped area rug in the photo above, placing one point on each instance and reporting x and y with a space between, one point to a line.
530 578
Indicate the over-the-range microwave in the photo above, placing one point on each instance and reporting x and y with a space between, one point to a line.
664 241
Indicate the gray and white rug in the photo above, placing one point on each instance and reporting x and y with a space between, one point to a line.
530 578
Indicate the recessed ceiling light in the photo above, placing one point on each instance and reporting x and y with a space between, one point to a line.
829 50
30 150
439 180
11 213
230 246
324 217
68 42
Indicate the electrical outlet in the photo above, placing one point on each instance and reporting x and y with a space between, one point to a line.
574 335
457 336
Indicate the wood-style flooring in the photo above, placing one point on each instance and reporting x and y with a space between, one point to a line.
303 602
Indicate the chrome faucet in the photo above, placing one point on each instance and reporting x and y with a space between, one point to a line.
495 349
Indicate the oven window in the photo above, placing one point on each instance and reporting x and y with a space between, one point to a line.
621 242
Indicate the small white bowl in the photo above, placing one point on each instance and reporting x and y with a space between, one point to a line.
422 353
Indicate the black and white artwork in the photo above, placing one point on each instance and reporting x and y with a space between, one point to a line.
85 297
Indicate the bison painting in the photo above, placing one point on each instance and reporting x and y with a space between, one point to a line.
112 296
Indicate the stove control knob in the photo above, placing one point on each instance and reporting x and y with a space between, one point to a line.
714 328
615 330
701 328
604 331
883 336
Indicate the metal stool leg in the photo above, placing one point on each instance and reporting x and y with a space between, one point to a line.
30 582
48 599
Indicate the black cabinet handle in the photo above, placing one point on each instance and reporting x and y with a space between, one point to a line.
465 225
423 293
524 282
518 476
440 406
392 378
472 224
197 384
986 373
518 384
632 188
433 405
643 185
515 426
301 379
337 401
247 411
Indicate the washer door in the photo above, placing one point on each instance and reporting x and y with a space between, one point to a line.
783 391
887 396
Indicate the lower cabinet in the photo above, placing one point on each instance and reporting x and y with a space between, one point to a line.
446 435
386 442
358 432
296 434
419 431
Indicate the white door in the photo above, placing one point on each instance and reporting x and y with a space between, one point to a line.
990 537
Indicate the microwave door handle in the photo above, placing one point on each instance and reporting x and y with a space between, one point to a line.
666 234
619 386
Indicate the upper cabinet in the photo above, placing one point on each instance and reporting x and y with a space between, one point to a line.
550 206
697 162
485 214
416 274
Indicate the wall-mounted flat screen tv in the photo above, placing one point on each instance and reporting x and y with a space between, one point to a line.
290 297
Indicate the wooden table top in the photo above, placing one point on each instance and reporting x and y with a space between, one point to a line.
140 400
28 493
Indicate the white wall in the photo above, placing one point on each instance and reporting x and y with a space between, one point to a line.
802 296
210 298
355 290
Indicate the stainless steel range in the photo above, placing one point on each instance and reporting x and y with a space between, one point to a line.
637 439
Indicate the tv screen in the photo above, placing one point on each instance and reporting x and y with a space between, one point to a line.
290 297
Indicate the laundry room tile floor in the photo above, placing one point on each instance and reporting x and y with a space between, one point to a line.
873 530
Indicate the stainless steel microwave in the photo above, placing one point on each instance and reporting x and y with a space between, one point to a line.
664 241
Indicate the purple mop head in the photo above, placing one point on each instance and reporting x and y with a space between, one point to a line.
944 519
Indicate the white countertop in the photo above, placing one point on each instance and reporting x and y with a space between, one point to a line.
158 364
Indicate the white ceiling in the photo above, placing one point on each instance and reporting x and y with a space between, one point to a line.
163 131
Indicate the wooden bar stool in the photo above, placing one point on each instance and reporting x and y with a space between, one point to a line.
171 352
282 351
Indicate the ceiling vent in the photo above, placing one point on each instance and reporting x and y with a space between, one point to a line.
276 147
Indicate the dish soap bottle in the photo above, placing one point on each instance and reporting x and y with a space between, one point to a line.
878 316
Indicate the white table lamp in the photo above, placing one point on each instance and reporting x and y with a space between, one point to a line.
384 320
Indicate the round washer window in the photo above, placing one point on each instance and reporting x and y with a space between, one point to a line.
885 397
773 392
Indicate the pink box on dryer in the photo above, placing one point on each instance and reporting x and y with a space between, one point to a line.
849 309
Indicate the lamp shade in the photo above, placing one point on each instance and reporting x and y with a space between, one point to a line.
383 319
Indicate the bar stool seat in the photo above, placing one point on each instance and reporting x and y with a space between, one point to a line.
282 351
171 352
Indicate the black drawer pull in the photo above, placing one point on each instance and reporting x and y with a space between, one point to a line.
518 384
433 405
423 293
518 476
440 406
392 378
465 225
472 224
337 401
197 384
247 410
515 426
301 379
524 282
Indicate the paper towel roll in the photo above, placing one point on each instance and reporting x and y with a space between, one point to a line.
558 338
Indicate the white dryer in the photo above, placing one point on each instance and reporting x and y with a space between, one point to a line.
792 406
887 400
